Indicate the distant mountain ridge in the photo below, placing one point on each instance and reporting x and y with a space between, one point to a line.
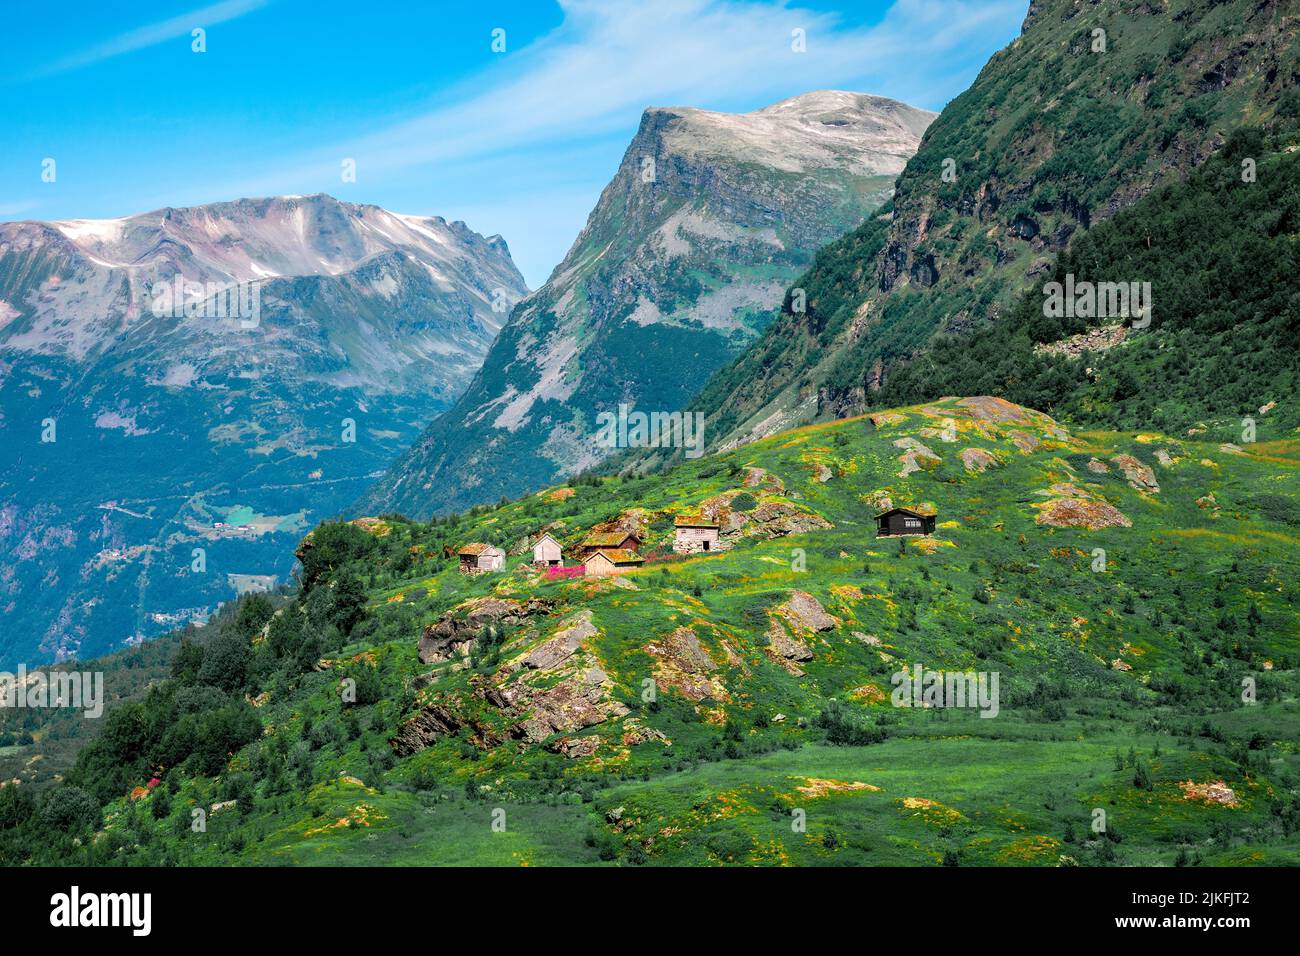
206 431
690 247
247 240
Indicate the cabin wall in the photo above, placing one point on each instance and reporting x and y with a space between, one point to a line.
694 540
600 569
546 552
897 524
481 563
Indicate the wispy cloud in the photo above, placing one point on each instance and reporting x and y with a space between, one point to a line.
608 61
152 34
10 210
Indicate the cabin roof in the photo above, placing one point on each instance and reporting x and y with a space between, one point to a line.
694 521
474 549
914 512
619 556
607 539
546 535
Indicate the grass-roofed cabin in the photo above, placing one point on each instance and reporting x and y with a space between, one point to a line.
477 557
608 561
610 540
899 521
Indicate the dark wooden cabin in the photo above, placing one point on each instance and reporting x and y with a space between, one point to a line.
897 521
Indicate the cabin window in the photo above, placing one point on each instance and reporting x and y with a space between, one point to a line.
911 522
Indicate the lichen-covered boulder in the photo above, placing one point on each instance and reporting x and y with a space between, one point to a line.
1139 476
1081 513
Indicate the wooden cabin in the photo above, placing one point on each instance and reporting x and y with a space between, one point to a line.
899 521
610 541
609 561
547 552
694 534
477 557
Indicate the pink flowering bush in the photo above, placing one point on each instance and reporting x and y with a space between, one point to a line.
554 574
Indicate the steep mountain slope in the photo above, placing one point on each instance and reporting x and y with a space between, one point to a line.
1223 259
1121 588
226 375
1092 107
708 218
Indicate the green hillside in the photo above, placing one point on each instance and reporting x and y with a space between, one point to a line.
735 707
38 746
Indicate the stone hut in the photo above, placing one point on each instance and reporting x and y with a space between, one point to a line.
694 534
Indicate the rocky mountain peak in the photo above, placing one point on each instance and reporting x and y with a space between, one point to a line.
858 132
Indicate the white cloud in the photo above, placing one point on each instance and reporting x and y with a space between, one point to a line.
606 62
504 147
154 33
9 210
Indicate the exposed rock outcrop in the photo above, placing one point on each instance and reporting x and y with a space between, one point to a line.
804 613
1026 442
977 460
799 618
915 456
683 665
1216 792
883 419
563 645
989 408
1081 513
435 721
1139 476
757 477
771 519
579 701
1099 339
557 687
455 633
785 649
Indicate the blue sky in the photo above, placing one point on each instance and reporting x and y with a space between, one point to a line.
518 143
